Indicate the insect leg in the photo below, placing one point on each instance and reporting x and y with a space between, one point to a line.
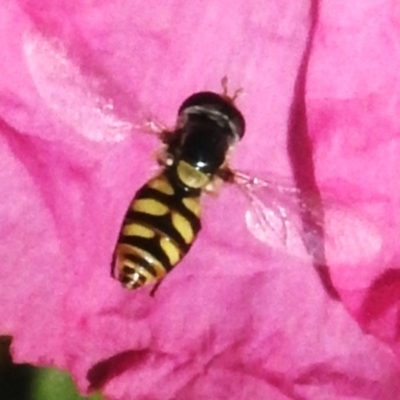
226 174
155 288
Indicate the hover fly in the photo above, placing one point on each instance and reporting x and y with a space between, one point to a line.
164 217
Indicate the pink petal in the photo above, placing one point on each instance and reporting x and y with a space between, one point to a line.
353 101
235 319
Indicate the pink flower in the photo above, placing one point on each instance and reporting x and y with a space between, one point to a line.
236 319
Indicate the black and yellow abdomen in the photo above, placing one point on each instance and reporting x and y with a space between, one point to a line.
163 219
159 228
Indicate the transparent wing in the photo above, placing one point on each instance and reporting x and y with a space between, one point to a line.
305 224
77 99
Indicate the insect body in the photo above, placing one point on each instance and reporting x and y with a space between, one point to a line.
163 219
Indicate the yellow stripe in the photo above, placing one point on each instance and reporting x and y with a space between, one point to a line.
150 206
161 184
135 229
182 225
190 176
193 205
171 250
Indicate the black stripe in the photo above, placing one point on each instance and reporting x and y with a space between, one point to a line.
163 224
152 246
127 280
135 258
173 202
